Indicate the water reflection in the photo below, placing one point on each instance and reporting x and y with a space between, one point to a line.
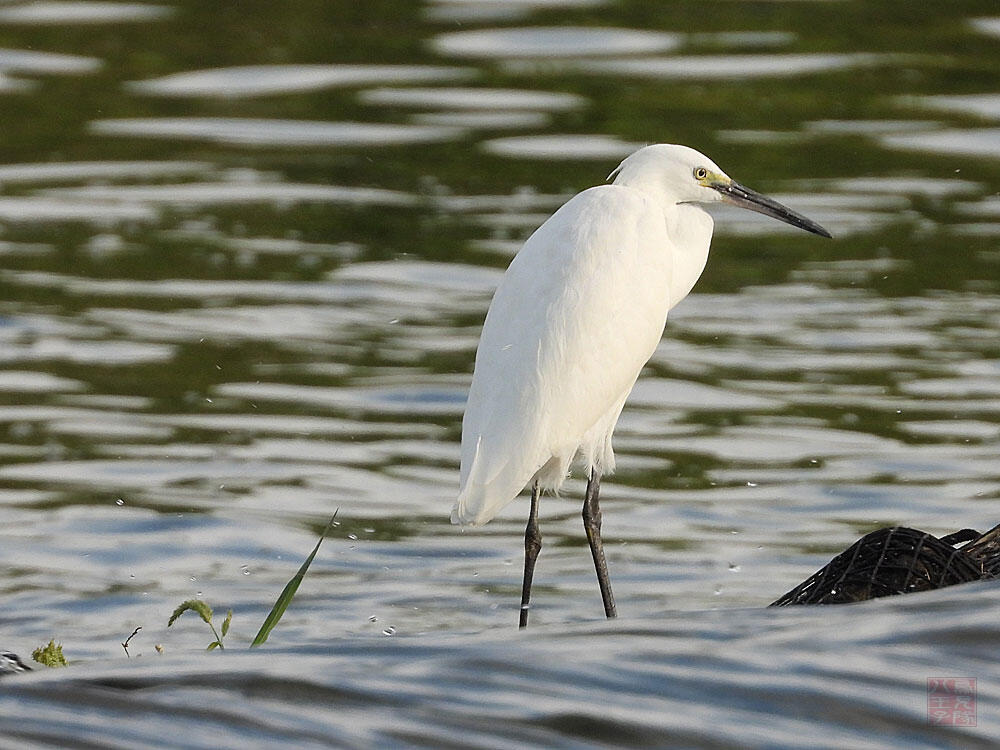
473 98
458 11
987 25
100 170
244 188
982 142
252 132
46 63
263 80
52 12
45 210
928 187
986 106
709 67
555 41
572 147
870 127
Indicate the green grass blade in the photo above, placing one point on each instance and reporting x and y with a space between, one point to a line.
289 591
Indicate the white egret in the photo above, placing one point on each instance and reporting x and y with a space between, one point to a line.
575 318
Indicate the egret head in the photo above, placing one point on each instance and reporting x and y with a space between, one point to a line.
684 175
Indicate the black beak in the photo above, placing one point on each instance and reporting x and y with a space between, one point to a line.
744 197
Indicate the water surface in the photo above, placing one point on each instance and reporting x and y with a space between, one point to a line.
244 261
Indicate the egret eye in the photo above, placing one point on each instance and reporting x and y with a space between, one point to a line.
700 173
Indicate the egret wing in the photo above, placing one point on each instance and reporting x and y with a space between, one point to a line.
577 314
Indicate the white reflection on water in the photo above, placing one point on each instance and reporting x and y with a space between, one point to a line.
98 170
25 248
52 12
959 387
435 398
984 208
46 209
477 108
986 106
252 247
521 200
567 146
956 429
201 289
987 25
510 221
497 10
14 85
707 67
506 248
667 394
24 381
250 132
142 473
108 429
236 191
870 127
553 41
33 61
929 187
779 445
264 80
982 142
290 425
422 280
80 350
809 131
473 98
282 323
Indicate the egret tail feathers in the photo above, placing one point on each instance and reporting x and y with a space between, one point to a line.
477 504
484 493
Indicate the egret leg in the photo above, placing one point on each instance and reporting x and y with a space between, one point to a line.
592 524
532 546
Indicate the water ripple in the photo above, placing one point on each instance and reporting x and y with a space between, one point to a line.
251 132
554 41
266 80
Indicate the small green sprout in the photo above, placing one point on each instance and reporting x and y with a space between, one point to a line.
205 613
50 656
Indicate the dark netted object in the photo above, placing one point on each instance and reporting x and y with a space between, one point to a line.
985 550
900 560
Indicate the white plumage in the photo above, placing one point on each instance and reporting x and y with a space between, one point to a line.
577 315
